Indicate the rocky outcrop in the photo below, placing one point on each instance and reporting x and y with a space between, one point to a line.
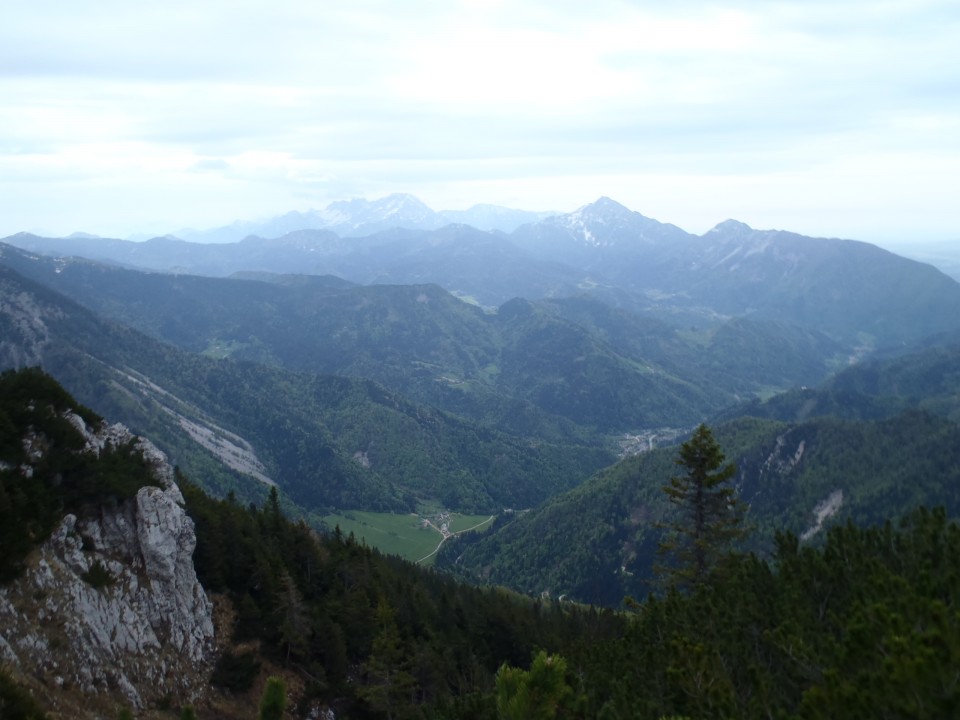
23 317
111 604
782 460
824 510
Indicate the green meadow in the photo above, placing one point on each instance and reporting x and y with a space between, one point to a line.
403 535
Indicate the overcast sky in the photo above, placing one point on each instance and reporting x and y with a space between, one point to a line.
834 118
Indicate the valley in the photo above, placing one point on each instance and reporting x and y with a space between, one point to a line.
284 596
401 500
347 372
369 386
416 537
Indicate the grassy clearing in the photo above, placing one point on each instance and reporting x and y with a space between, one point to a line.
403 535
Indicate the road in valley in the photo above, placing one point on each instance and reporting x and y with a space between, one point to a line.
446 534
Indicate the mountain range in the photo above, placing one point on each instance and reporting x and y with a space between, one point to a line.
359 217
562 363
484 369
854 292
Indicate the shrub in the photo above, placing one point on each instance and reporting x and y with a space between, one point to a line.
98 576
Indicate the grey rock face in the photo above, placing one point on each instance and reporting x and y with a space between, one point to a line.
111 604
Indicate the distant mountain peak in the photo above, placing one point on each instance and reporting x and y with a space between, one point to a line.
387 204
402 204
400 200
604 210
168 238
361 215
606 203
607 223
730 227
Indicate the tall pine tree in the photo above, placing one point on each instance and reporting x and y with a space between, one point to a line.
708 514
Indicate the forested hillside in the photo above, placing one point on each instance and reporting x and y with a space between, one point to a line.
597 542
327 442
865 625
862 624
554 369
928 379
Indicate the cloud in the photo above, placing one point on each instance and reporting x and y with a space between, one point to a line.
781 110
210 165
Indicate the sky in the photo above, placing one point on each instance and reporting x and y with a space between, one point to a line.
836 118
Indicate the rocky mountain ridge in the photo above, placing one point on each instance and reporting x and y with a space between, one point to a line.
854 292
357 217
110 603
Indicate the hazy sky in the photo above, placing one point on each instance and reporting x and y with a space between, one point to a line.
837 118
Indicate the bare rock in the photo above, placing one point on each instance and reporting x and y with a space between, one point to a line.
112 604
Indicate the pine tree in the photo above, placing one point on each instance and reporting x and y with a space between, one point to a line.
388 686
274 699
542 693
291 614
709 513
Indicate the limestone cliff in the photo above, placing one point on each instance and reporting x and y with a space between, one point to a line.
110 604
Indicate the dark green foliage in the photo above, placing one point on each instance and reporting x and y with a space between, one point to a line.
309 431
53 476
866 626
274 700
927 379
707 513
374 635
541 693
15 702
235 671
388 683
559 370
98 576
597 543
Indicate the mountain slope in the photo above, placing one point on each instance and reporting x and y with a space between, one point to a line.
857 294
103 615
852 291
561 370
928 379
327 442
98 592
597 543
106 618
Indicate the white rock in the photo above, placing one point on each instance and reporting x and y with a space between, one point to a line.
125 636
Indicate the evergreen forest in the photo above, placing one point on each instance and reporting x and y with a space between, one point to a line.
862 624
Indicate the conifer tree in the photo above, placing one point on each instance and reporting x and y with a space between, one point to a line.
388 684
291 612
708 512
274 699
542 693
